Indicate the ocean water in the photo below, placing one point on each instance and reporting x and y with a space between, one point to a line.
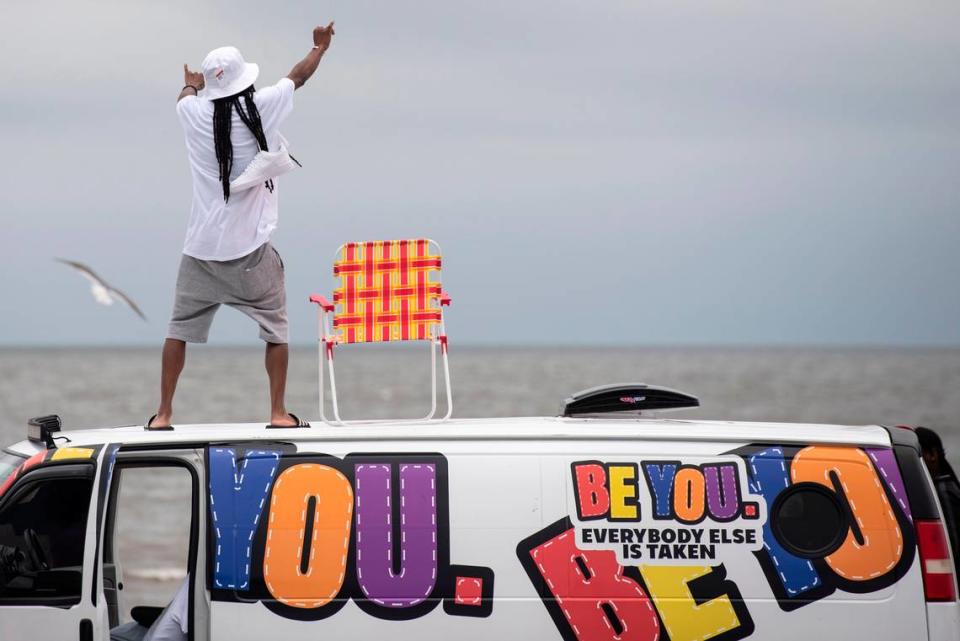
98 387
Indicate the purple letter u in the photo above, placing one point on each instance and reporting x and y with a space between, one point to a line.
417 574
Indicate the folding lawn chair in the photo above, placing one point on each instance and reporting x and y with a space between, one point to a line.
386 293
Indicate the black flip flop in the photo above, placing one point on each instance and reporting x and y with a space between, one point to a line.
300 423
166 428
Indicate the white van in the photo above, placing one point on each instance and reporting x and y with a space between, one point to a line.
584 527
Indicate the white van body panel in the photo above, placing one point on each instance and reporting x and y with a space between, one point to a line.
502 492
943 620
506 495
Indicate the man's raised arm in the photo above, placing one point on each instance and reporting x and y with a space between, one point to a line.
302 71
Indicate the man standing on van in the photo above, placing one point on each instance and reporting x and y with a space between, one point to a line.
230 129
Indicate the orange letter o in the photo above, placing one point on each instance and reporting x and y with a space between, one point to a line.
283 553
882 540
689 495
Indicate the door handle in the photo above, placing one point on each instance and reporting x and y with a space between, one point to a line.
86 630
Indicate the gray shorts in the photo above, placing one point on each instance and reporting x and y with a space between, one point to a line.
253 284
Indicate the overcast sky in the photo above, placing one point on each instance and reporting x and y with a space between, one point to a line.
597 172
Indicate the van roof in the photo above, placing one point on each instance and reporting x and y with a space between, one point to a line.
521 428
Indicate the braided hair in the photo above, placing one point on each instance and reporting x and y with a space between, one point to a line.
223 119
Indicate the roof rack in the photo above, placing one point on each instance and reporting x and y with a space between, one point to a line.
626 397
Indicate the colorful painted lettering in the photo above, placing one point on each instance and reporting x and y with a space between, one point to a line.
305 533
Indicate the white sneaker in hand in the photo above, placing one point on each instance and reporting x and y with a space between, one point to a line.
266 165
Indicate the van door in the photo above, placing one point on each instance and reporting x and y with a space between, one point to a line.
151 542
48 545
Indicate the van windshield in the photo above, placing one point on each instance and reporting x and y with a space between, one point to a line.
8 463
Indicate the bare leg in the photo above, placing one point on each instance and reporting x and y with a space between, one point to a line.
276 359
174 356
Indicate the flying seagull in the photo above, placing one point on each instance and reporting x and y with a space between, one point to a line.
102 292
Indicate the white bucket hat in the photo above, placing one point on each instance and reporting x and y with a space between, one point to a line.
225 73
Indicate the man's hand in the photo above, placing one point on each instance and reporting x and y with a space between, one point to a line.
194 78
190 79
322 36
302 71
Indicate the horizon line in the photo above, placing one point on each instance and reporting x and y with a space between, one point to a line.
471 345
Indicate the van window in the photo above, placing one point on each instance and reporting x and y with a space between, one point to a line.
148 542
42 530
8 463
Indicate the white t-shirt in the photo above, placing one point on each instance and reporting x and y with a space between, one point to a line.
219 230
173 624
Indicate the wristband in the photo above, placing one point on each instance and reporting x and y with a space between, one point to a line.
195 90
